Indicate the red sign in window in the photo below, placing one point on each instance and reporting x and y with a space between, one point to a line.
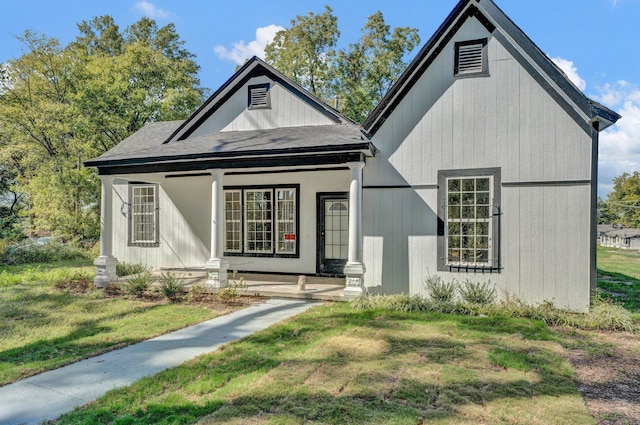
289 237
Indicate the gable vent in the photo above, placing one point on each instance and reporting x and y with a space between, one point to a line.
471 57
259 96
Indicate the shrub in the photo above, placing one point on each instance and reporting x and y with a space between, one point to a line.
483 293
231 292
197 293
171 286
127 269
31 252
439 290
139 283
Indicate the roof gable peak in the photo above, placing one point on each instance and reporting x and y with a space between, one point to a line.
252 68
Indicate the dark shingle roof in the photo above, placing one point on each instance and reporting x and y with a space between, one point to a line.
147 144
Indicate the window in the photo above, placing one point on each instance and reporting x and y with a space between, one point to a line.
143 215
468 231
261 221
471 58
233 220
259 96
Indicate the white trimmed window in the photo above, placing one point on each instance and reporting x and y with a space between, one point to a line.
143 215
233 220
261 221
469 209
286 221
468 224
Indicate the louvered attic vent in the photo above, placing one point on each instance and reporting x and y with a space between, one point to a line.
259 96
471 58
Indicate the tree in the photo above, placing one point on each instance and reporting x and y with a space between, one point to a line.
61 105
359 75
367 69
624 200
304 51
605 214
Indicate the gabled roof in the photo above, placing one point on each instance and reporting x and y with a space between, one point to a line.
163 145
584 110
254 67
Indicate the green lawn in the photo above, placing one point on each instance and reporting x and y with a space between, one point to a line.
44 325
619 276
337 365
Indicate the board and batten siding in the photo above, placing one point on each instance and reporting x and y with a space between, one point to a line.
287 110
185 214
505 120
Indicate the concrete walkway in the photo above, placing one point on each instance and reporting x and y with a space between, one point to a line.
50 394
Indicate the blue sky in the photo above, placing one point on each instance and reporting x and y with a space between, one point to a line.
594 41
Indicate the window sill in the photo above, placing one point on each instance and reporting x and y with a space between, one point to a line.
455 268
260 255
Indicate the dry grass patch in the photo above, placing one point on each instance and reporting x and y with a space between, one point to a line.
334 365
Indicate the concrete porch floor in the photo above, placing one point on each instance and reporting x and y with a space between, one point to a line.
271 285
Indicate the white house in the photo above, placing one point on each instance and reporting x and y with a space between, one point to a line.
479 163
625 238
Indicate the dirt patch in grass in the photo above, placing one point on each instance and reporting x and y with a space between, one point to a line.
607 366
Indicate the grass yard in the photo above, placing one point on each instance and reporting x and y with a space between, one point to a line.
619 276
337 365
45 324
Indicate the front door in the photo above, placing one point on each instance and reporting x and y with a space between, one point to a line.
333 232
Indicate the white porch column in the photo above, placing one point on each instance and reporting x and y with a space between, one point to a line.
106 262
216 265
354 269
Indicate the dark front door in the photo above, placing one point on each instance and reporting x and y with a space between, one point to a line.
333 232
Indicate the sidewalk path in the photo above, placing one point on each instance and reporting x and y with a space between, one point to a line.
50 394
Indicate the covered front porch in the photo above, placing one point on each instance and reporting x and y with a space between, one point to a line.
205 222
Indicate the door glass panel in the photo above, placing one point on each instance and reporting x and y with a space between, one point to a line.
336 224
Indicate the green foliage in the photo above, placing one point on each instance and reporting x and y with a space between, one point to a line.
366 70
139 283
604 315
197 293
61 105
483 293
126 269
440 291
359 75
623 202
30 252
304 51
171 286
48 274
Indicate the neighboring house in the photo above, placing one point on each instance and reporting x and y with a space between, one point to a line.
480 163
602 230
621 238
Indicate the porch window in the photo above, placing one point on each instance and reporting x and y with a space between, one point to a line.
261 221
469 205
233 220
258 219
143 215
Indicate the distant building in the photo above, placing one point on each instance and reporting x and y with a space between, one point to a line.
620 238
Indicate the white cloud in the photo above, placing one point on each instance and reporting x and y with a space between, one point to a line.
151 10
571 71
619 144
241 51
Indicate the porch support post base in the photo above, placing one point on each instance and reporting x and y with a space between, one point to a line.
216 273
105 270
354 280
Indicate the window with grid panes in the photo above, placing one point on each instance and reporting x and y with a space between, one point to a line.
143 215
261 221
469 221
258 221
286 221
233 221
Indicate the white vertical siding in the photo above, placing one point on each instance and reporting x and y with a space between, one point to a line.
185 214
505 120
287 110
